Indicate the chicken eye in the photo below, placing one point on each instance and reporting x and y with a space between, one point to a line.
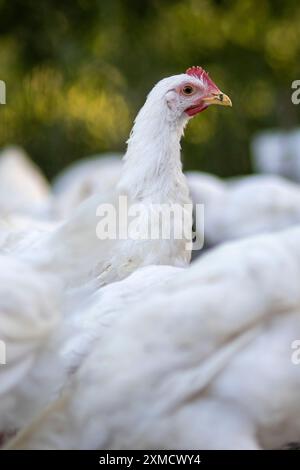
188 90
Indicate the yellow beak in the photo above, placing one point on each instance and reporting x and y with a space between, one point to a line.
218 98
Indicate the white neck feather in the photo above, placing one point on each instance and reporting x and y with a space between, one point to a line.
152 165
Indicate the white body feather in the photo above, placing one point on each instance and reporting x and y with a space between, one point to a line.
30 311
205 363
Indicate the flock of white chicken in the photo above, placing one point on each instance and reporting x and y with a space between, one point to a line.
169 357
150 353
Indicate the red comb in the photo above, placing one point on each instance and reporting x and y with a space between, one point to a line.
200 73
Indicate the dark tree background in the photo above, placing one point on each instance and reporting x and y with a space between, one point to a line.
77 71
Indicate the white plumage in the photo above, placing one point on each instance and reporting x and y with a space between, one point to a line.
205 363
30 312
85 321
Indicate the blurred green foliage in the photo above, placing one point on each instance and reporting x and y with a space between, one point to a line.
77 72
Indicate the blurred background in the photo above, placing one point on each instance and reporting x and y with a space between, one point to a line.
77 72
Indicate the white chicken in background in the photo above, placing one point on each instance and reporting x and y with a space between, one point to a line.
240 207
23 188
25 199
205 363
96 174
277 152
152 174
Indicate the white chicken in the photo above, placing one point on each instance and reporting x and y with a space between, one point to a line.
25 200
277 152
172 372
23 188
151 175
205 363
244 206
74 254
